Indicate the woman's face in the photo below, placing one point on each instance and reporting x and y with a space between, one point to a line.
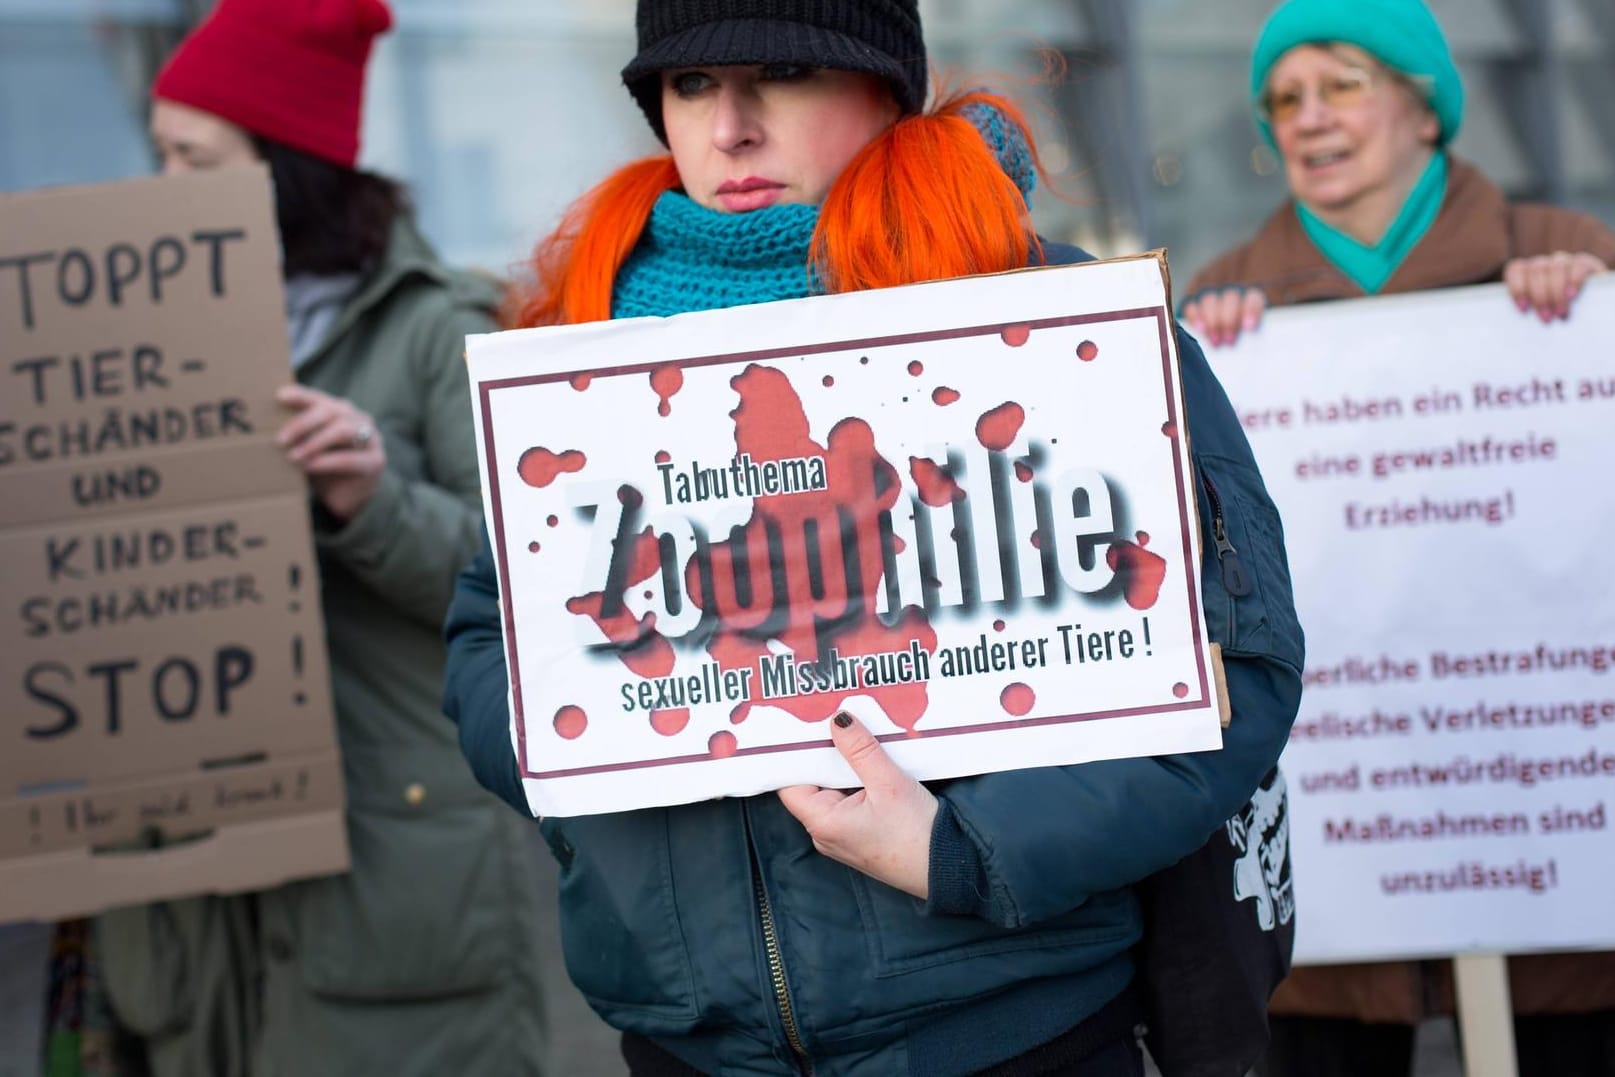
745 137
188 139
1346 127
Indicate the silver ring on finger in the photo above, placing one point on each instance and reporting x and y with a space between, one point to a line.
363 436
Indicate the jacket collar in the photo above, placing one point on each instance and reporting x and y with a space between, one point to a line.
408 257
1467 244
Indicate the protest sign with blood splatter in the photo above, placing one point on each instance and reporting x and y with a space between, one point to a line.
931 506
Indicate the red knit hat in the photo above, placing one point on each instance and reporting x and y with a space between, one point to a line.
287 70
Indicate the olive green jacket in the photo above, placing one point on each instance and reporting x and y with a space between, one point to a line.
424 959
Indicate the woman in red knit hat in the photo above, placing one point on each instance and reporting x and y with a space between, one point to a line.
423 960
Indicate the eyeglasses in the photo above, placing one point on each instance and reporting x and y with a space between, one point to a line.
1345 90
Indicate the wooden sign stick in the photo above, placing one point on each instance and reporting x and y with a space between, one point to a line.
1485 1015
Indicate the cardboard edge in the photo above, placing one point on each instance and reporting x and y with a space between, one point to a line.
60 192
1225 706
241 857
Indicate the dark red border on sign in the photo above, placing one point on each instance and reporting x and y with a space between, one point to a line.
1186 516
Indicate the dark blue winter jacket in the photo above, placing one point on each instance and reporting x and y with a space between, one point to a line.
716 929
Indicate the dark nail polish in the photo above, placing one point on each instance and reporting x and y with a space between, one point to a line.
844 721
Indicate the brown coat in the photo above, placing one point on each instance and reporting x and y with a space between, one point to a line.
1477 232
1475 235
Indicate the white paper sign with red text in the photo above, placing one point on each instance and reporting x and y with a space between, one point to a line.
1442 464
962 511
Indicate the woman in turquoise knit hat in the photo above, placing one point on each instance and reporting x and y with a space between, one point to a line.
1361 99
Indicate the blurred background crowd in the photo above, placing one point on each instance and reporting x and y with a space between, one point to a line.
496 113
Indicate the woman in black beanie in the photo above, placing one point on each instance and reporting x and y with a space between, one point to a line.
980 925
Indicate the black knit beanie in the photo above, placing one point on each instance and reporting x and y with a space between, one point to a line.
880 37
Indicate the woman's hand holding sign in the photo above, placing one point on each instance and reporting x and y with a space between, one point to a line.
1218 317
883 829
336 445
1549 283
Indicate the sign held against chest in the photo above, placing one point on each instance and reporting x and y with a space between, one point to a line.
962 510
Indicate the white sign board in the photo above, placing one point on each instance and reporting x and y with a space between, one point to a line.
962 511
1442 463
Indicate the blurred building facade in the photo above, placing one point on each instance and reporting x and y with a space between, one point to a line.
498 112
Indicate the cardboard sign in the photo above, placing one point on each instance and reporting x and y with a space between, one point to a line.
164 702
962 511
1441 463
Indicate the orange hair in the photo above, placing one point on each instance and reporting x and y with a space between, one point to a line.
574 267
926 200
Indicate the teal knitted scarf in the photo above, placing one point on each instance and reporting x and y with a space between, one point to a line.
692 258
1371 267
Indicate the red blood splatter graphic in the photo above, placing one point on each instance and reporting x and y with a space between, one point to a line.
942 396
647 558
539 467
997 428
641 649
1023 471
532 547
1037 540
1016 335
553 521
722 745
1087 351
998 626
821 609
580 382
916 368
670 722
1169 428
1141 573
663 457
1180 690
734 652
570 722
829 381
1017 699
1142 538
665 381
936 486
650 594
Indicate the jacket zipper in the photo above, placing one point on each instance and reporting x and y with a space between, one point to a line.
776 961
1234 579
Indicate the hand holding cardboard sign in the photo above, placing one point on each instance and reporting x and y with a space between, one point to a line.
336 445
883 829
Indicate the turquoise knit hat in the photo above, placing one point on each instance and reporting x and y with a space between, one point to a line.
1401 34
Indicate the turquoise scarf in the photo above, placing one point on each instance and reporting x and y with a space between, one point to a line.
693 258
1370 267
